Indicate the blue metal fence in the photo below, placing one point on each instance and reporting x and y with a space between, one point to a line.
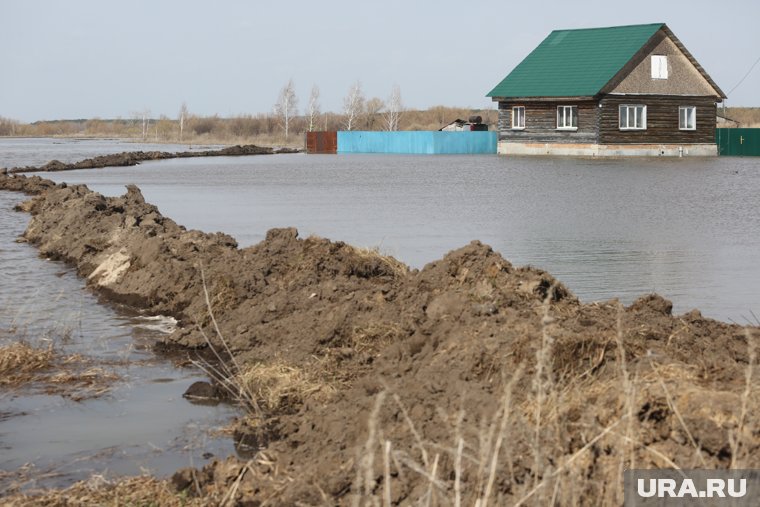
417 142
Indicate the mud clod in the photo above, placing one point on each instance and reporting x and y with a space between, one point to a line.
652 303
203 392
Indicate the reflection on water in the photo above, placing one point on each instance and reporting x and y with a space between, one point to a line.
685 228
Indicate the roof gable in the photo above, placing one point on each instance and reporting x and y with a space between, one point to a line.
684 78
575 63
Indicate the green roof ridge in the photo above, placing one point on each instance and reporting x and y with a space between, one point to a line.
575 62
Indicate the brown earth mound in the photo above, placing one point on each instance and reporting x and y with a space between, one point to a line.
469 380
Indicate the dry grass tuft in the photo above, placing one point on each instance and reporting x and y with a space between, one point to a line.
144 490
375 336
671 372
370 262
519 454
278 385
44 368
19 362
79 385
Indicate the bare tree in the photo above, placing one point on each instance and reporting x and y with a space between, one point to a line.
287 105
183 114
442 114
8 126
314 107
371 111
353 104
145 122
394 109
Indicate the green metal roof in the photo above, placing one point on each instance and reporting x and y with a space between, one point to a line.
575 63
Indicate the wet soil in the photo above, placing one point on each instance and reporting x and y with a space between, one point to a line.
469 379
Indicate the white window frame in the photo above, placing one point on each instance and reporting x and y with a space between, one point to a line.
635 108
563 117
516 125
693 110
659 65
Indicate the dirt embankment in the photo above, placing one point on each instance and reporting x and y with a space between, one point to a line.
470 379
130 158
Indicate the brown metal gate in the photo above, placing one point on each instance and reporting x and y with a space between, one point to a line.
321 142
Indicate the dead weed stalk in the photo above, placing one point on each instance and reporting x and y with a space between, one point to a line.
736 437
516 446
627 458
226 371
543 381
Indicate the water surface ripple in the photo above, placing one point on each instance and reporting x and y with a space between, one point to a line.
685 228
143 424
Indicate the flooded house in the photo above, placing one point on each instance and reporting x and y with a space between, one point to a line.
626 90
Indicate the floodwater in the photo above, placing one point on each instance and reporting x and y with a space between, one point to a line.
143 424
684 228
20 152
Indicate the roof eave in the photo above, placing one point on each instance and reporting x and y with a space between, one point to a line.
543 98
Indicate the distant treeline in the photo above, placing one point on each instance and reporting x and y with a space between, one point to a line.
258 129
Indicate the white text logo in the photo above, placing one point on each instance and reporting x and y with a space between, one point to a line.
715 488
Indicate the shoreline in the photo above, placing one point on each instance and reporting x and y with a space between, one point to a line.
131 158
347 359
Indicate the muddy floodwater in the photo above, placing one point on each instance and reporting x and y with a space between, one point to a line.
142 423
685 228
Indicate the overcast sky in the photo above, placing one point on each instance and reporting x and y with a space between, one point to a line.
108 59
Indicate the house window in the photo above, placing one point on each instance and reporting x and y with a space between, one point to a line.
518 117
659 67
567 117
633 117
687 118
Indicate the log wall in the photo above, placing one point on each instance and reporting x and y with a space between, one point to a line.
598 121
662 120
541 123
